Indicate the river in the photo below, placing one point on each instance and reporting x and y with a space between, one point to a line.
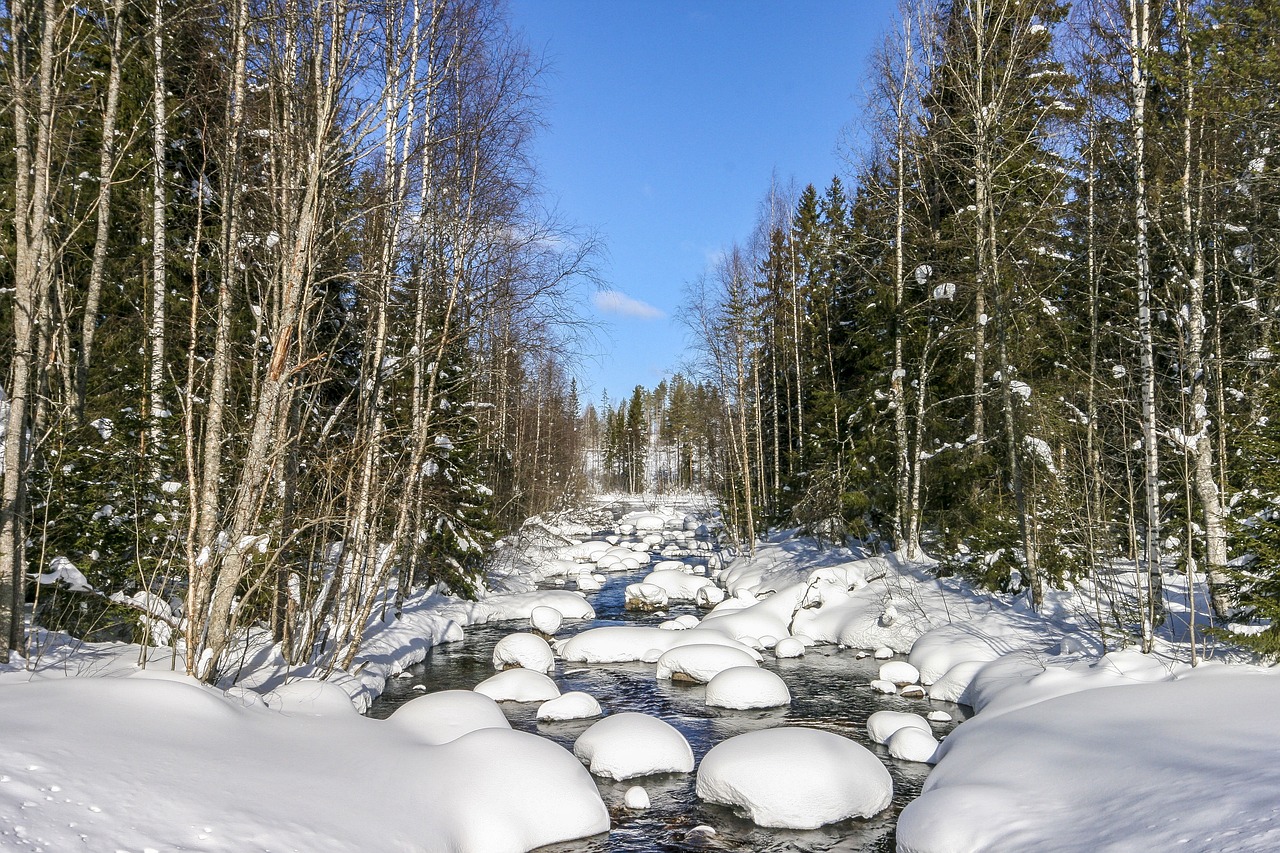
829 689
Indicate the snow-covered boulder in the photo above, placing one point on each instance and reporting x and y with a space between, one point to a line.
911 691
518 685
644 596
545 619
574 705
673 566
528 651
910 744
700 662
882 724
436 718
795 778
588 582
678 585
708 596
636 798
630 744
789 647
741 688
899 672
886 687
938 717
883 653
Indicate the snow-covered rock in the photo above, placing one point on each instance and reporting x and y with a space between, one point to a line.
518 685
678 585
636 798
910 744
630 744
938 717
883 653
622 643
701 662
882 724
546 619
795 778
789 647
886 687
588 582
644 596
899 672
528 651
444 716
574 705
708 596
741 688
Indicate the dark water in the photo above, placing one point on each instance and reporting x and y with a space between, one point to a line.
829 690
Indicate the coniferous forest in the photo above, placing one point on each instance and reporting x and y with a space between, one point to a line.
286 323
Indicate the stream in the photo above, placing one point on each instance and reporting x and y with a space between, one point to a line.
829 689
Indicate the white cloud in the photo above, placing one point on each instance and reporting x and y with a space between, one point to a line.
617 302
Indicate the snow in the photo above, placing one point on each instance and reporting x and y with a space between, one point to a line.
518 685
796 778
311 697
910 744
574 705
645 596
881 725
523 650
1194 753
899 672
546 619
742 688
165 763
789 647
636 798
622 643
678 585
701 662
630 744
444 716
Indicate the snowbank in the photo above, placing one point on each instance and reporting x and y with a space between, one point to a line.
101 779
1189 762
795 778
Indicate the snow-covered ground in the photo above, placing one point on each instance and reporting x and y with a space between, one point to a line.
1070 750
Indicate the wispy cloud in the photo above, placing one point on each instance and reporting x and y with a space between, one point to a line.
617 302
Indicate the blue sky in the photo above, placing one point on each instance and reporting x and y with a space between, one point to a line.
665 121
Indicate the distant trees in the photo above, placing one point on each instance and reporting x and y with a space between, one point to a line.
1037 334
285 325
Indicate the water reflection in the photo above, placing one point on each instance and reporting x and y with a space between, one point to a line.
829 689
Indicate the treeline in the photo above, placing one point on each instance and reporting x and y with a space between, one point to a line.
656 440
1037 334
283 319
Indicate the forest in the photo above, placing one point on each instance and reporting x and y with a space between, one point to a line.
288 325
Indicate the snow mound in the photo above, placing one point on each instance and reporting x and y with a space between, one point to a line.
574 705
742 688
518 685
311 697
910 744
954 686
882 724
527 651
631 744
623 643
899 672
789 647
701 662
636 798
886 687
644 596
677 584
708 596
546 619
795 778
436 718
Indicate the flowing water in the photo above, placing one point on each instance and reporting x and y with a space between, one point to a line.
829 690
